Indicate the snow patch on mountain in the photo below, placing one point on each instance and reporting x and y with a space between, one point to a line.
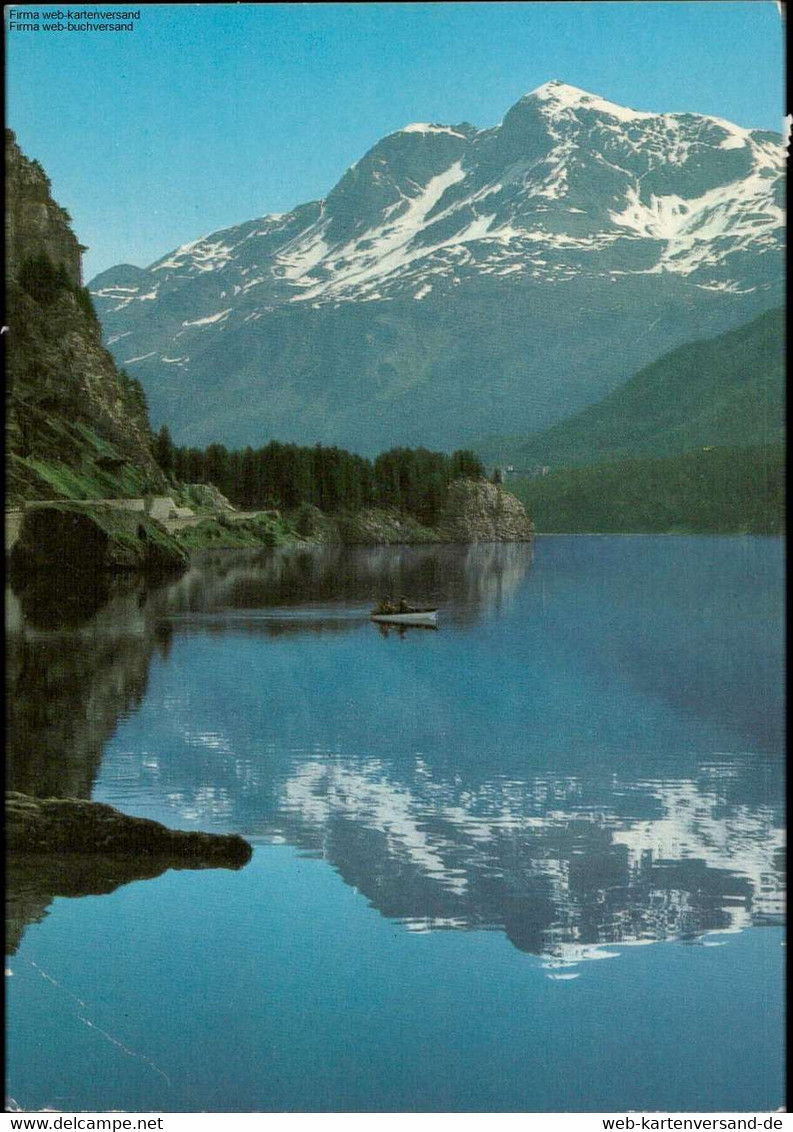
302 255
219 317
383 251
702 230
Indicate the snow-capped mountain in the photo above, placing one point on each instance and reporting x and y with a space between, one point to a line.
457 280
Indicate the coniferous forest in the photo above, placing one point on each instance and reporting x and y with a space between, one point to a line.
716 490
411 480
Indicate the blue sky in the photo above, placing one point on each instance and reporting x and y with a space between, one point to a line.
210 114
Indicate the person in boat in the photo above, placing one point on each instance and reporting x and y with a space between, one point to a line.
387 605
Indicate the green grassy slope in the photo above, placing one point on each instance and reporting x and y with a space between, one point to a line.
71 460
724 391
720 490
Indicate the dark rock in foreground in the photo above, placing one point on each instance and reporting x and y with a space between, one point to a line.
86 537
76 826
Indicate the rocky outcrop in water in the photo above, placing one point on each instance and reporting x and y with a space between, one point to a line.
71 848
475 511
76 826
478 511
33 880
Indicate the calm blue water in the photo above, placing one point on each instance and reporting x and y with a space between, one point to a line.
529 862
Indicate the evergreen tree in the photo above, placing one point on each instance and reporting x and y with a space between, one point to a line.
42 278
466 465
216 465
164 452
244 490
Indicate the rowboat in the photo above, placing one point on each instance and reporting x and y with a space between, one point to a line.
407 615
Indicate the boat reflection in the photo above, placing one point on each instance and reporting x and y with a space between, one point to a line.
387 629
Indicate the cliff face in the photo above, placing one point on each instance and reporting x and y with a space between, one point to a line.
72 417
478 511
475 511
34 222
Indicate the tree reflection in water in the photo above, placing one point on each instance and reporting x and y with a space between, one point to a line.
565 857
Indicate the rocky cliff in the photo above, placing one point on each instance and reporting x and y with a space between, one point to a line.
34 222
478 511
76 426
475 511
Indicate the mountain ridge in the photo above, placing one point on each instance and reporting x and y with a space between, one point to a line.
464 256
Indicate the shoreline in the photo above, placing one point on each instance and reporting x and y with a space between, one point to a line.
658 534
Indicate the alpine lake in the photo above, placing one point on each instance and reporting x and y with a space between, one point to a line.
531 861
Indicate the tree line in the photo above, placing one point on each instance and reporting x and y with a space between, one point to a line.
411 480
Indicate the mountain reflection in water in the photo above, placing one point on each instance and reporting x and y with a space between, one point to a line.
551 861
550 764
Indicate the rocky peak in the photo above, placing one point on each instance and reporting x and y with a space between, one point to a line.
34 222
557 97
395 172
